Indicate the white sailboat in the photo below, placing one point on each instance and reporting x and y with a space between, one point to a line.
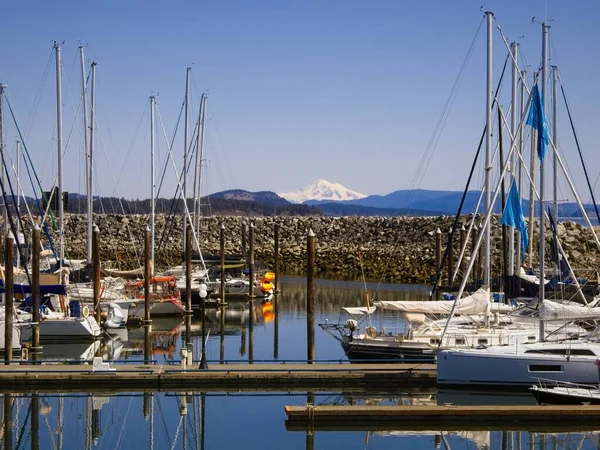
568 360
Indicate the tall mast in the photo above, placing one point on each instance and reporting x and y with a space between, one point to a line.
555 140
3 173
152 184
488 142
542 249
59 189
90 179
185 149
18 187
513 164
85 148
522 79
199 155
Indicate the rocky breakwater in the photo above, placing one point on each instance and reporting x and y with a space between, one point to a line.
391 249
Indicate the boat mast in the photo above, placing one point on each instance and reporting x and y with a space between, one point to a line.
198 171
3 172
521 257
152 184
185 151
542 249
555 140
85 148
90 179
513 164
61 212
18 184
488 143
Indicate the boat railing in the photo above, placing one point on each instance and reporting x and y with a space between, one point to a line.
546 384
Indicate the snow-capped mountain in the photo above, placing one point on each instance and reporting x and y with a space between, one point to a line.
322 190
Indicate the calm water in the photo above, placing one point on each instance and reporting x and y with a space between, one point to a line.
252 420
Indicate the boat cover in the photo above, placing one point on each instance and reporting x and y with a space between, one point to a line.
476 303
359 310
550 310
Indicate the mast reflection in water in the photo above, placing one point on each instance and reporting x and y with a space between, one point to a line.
211 420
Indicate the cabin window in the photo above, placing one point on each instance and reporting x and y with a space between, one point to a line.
482 341
460 341
545 368
565 351
434 341
531 338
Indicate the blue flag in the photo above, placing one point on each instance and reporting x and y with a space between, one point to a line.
513 216
537 119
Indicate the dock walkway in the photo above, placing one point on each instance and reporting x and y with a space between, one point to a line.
239 376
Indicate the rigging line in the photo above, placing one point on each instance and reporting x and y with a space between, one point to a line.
13 228
23 427
587 178
220 141
177 432
464 195
38 96
186 210
430 148
43 194
124 421
143 116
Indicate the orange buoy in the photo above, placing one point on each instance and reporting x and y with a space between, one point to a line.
269 276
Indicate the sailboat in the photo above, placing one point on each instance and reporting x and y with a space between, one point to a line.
566 360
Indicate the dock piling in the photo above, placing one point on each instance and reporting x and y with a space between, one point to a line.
188 269
310 297
96 270
276 256
35 293
147 275
251 293
8 297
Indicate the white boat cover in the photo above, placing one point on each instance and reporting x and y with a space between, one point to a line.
476 303
359 310
550 310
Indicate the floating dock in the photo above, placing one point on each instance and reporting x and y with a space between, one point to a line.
275 376
443 418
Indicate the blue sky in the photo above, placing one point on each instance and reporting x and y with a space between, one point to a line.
345 90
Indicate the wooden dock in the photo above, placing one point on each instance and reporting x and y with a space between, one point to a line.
443 418
138 377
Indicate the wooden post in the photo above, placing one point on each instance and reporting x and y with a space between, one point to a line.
35 292
96 269
147 275
438 254
310 297
474 254
8 297
147 342
276 255
244 240
188 269
251 293
450 256
463 237
222 246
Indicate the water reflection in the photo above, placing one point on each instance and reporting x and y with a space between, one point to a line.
206 420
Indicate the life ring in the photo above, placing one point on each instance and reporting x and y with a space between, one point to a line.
85 311
371 332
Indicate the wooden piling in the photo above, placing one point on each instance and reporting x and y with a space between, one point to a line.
438 254
35 421
251 293
450 256
147 275
147 343
222 247
310 297
188 269
243 230
35 292
8 297
276 255
96 270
